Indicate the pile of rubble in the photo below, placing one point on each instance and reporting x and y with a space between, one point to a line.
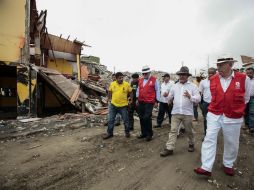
49 126
95 88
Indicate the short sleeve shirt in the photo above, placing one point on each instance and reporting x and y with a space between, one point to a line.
120 93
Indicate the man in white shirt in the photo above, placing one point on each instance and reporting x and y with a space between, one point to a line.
164 107
184 94
249 111
204 89
230 93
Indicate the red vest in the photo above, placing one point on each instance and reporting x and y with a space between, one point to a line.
230 103
147 93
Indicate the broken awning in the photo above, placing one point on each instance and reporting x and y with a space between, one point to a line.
64 86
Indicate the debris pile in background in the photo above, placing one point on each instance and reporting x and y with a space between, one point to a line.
50 126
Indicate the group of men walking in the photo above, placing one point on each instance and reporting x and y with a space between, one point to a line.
223 97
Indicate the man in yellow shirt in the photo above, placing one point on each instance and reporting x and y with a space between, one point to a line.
119 91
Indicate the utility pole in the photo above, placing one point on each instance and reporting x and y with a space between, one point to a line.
182 63
114 69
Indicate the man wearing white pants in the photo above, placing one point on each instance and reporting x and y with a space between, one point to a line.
230 93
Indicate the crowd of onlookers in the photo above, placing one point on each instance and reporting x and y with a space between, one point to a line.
226 99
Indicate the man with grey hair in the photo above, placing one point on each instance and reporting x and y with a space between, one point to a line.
204 89
230 93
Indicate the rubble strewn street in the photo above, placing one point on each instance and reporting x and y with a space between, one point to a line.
126 95
67 152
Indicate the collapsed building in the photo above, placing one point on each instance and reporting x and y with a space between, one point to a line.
43 74
40 73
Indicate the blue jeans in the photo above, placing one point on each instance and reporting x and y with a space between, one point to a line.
113 111
118 116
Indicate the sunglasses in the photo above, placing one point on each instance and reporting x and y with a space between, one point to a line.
144 73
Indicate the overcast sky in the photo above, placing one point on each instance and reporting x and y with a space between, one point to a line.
127 34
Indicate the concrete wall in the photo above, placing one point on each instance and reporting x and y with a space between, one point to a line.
12 32
61 65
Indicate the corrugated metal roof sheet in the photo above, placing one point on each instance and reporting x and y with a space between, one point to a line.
56 43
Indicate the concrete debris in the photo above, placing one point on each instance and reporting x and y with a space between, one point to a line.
29 120
121 169
51 126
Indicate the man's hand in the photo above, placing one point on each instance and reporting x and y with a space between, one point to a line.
187 94
165 94
156 104
137 103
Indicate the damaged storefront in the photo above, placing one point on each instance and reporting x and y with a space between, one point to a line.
41 73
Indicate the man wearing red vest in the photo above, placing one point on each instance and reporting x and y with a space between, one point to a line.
148 94
230 93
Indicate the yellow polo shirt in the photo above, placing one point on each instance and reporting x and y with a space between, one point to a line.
120 93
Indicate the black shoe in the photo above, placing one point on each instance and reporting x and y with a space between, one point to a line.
251 130
127 135
141 137
149 138
131 129
166 152
191 148
107 136
182 130
157 126
117 124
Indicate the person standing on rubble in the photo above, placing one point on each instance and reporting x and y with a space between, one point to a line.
184 94
164 107
119 91
148 95
132 106
230 93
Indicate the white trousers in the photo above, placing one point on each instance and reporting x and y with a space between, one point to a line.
231 134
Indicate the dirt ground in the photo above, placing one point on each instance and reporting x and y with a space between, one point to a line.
80 159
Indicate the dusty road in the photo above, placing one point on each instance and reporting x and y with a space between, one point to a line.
80 159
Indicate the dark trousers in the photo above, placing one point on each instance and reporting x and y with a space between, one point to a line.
113 110
132 109
195 109
249 113
204 113
163 108
145 117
